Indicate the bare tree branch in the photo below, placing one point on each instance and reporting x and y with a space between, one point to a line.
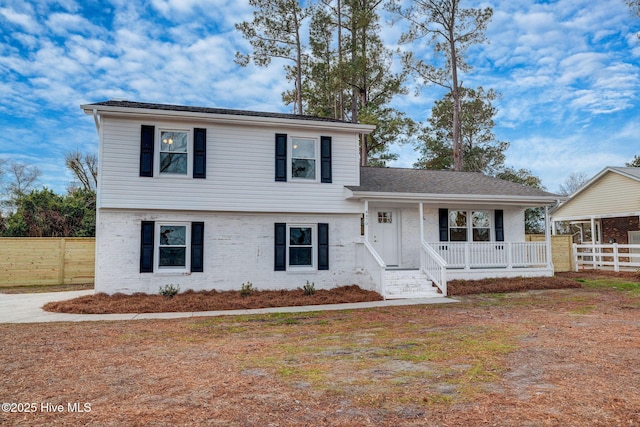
84 168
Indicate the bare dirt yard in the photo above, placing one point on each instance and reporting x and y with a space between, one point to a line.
560 357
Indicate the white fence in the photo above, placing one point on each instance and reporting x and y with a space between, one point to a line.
492 254
606 256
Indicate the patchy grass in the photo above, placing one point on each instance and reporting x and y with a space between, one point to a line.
404 365
534 358
613 283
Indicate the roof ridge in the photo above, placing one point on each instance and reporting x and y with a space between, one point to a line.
210 110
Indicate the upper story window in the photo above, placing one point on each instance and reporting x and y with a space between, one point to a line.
174 152
469 226
304 154
303 159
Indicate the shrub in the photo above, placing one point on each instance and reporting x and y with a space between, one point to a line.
309 289
246 289
169 291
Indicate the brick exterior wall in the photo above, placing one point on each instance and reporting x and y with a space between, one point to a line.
618 229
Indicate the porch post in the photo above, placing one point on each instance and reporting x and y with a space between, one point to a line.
421 215
366 220
547 237
593 241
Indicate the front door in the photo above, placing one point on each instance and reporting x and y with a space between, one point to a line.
384 234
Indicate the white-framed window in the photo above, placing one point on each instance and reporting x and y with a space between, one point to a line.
301 246
385 217
472 226
173 241
174 152
480 226
304 154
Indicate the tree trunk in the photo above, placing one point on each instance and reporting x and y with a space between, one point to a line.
298 70
455 92
340 71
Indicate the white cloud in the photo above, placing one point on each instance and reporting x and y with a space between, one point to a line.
23 20
65 23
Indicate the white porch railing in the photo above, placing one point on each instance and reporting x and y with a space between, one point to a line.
609 256
434 266
492 254
374 264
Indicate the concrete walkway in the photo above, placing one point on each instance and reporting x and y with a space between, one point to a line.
27 308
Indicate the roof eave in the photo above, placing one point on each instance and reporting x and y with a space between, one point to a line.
224 118
455 198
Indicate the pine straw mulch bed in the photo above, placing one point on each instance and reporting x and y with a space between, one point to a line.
191 301
565 357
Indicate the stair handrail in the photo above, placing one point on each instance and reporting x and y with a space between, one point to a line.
375 266
436 270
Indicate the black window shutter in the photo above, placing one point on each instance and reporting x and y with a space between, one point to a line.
281 157
443 215
325 159
146 246
197 247
499 217
147 134
323 246
280 261
199 153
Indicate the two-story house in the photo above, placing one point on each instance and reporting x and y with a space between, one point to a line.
209 198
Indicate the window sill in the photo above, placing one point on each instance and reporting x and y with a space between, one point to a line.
302 270
168 272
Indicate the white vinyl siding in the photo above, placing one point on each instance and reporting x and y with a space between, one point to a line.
240 172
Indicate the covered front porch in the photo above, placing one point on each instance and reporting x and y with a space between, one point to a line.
411 249
422 228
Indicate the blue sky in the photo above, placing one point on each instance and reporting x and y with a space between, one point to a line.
568 71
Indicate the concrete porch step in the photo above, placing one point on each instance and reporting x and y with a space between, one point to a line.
408 283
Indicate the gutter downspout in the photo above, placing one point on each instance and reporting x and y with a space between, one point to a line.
96 119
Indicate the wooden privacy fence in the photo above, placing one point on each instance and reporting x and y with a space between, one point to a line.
561 250
46 261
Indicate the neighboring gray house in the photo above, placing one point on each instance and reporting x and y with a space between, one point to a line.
211 198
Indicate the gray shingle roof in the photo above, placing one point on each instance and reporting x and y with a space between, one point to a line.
436 182
206 110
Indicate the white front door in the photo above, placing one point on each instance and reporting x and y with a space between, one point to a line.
383 224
